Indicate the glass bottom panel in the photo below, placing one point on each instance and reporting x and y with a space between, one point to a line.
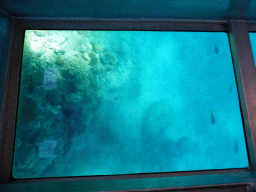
125 102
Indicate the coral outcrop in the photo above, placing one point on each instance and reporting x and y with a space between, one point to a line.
81 74
94 59
109 58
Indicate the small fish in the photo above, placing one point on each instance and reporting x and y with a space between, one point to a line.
216 49
235 147
230 88
233 83
212 117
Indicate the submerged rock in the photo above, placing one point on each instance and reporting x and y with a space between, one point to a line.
94 59
109 58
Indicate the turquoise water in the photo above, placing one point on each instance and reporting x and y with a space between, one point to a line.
125 102
253 43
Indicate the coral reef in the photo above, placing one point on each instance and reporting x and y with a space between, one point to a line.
109 58
83 75
60 62
96 48
40 33
86 57
27 109
94 59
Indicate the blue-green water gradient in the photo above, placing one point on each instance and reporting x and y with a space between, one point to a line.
127 102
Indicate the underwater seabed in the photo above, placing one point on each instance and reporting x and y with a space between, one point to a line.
121 149
113 102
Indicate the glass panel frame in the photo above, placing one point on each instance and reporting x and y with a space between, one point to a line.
243 62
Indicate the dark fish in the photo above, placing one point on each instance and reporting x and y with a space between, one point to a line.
212 118
235 147
216 49
230 88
